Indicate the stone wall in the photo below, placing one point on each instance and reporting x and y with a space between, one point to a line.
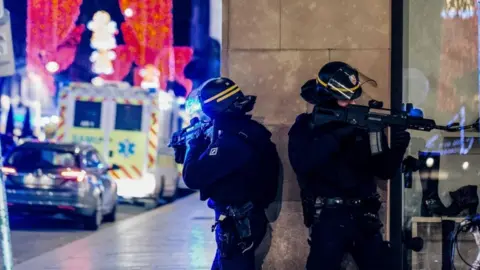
270 48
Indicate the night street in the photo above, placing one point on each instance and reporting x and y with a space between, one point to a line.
176 236
32 236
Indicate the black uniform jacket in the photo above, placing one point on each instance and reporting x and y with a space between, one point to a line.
241 165
338 166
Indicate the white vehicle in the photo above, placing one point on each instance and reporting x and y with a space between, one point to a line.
131 128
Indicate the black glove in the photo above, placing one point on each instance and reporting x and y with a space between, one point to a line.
180 152
400 140
199 143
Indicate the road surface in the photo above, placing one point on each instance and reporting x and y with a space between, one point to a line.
32 236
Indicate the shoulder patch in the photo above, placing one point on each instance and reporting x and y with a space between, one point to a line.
213 151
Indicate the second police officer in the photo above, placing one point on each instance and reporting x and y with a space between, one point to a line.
336 171
236 168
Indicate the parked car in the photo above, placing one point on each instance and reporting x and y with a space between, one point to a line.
7 143
44 178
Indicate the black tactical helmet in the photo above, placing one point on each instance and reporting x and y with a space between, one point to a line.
339 80
222 95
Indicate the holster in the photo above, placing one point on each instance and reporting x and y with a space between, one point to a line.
226 238
367 218
308 207
241 220
234 230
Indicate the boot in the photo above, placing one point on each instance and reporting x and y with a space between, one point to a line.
431 203
448 226
463 199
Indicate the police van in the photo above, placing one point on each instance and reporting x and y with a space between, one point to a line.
130 127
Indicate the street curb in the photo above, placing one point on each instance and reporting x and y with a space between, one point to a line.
102 236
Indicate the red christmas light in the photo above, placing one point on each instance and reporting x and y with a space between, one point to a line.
151 25
122 63
183 56
52 35
149 31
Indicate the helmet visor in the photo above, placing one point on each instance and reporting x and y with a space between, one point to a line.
193 106
346 83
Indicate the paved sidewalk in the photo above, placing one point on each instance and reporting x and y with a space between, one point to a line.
173 237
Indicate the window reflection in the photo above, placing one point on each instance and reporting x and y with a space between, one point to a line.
441 78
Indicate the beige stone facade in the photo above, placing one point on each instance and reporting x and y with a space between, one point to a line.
270 48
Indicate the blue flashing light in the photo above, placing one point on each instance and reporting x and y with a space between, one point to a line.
192 106
416 113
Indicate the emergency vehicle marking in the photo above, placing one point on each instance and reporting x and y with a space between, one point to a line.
124 170
139 173
129 101
61 124
126 148
90 98
136 164
152 140
114 175
87 139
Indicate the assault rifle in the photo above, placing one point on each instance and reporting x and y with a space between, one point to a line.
375 118
195 129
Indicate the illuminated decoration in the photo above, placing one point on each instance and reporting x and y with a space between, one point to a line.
122 64
98 81
183 56
52 36
102 61
150 33
151 77
464 9
103 40
128 12
52 66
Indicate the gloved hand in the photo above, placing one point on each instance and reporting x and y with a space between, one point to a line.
180 153
199 143
400 140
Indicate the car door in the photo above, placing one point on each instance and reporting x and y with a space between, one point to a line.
96 166
110 186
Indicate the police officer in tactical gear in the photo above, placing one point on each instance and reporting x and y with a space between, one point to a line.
236 169
336 171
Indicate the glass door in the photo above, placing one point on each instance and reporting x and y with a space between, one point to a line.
441 81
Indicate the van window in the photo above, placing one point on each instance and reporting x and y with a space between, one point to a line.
87 114
129 117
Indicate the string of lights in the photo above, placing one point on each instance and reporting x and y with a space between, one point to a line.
51 37
149 29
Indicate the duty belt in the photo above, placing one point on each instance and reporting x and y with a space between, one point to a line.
321 202
336 201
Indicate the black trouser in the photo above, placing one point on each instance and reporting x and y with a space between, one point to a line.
338 231
241 259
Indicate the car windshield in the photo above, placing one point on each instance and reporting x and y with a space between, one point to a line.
31 158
